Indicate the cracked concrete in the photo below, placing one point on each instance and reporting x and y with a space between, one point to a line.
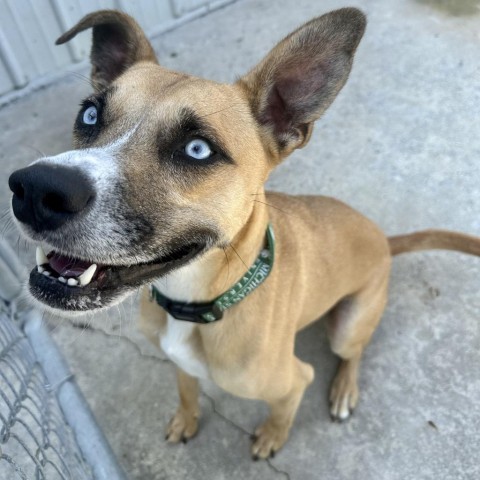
87 329
144 461
400 144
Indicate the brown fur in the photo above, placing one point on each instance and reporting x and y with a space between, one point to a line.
329 258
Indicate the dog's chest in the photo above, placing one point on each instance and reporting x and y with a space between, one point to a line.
178 340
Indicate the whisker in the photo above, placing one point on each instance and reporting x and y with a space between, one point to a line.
273 206
36 150
228 268
58 323
88 80
5 213
219 111
236 253
7 227
18 245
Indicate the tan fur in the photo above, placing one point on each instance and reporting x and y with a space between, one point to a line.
434 240
329 258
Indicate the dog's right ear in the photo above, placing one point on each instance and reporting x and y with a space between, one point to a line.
118 43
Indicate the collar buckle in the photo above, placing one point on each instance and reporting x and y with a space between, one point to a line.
198 313
190 312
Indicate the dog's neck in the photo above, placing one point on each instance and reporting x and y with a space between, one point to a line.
212 274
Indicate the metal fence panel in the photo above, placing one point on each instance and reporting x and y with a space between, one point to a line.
47 431
29 28
35 441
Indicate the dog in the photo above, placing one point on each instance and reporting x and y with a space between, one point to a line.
165 188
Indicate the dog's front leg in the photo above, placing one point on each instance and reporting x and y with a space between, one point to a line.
273 433
184 424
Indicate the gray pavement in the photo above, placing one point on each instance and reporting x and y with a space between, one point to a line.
401 144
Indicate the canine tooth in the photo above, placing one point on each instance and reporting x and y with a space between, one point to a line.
40 256
46 273
86 277
62 279
40 269
73 282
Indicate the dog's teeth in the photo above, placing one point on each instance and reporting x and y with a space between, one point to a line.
73 282
86 277
46 273
40 269
62 279
40 256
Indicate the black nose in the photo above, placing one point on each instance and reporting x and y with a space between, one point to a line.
46 196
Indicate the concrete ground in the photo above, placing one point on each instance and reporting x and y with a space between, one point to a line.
400 144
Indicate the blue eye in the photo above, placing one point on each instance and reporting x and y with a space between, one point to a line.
198 149
90 115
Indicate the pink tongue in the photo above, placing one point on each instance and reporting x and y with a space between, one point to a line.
67 266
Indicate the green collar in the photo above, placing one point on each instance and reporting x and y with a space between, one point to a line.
211 311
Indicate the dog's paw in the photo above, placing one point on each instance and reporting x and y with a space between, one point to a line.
343 398
182 427
267 440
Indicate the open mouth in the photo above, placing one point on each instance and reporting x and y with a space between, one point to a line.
68 283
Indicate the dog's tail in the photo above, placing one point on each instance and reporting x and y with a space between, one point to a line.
434 240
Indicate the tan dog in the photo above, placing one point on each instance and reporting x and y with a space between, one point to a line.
166 185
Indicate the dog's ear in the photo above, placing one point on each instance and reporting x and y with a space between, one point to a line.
298 80
118 43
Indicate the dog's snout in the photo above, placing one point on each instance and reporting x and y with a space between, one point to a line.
46 196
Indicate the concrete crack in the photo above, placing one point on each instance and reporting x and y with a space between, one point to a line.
244 432
223 417
277 470
120 337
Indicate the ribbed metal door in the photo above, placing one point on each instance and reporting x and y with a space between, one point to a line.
29 28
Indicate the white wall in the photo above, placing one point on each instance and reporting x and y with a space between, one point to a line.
29 28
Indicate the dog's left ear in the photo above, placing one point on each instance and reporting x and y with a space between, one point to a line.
299 79
118 43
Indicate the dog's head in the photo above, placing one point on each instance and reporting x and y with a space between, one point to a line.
164 164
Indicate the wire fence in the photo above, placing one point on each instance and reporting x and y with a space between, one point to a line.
35 441
47 431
